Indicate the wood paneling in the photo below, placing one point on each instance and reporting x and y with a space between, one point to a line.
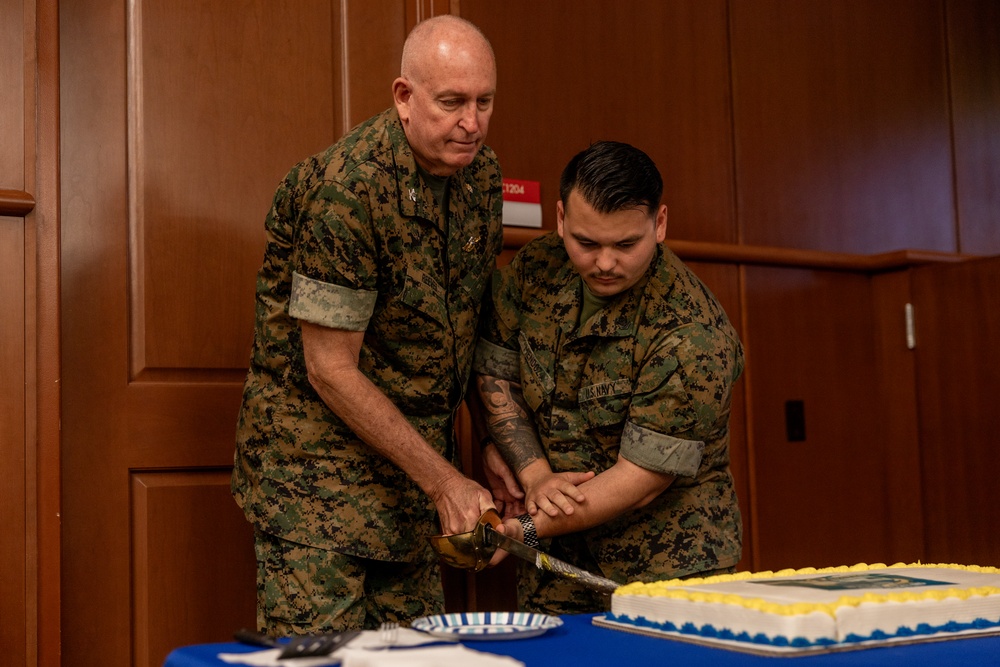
974 48
841 125
896 386
29 336
172 151
370 43
819 501
14 494
14 545
13 101
957 328
225 97
653 74
179 599
179 119
43 441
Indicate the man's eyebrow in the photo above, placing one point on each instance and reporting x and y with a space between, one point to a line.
447 94
580 238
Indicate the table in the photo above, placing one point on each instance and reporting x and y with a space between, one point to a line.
579 643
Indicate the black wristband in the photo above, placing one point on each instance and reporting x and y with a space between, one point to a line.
528 527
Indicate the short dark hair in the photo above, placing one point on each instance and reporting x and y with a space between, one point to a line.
612 176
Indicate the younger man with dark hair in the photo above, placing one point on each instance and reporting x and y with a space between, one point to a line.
606 368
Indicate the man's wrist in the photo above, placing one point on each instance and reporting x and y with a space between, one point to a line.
530 535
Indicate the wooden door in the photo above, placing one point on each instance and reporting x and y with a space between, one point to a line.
833 479
957 326
179 118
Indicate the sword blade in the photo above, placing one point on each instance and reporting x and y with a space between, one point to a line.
549 563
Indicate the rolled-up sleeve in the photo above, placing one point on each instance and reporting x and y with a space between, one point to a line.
496 361
661 453
497 352
680 407
329 305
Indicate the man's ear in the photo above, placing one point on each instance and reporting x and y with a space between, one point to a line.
560 216
661 223
402 91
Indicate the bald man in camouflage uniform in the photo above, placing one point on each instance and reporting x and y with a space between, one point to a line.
379 251
607 369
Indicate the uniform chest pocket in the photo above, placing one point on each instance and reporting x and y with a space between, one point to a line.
606 404
423 293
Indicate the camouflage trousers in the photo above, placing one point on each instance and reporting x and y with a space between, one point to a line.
542 592
303 589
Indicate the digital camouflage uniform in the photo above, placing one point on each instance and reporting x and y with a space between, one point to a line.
357 241
649 376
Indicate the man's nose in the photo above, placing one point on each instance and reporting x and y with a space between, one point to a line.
605 260
470 118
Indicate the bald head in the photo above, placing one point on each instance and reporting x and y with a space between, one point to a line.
443 36
444 93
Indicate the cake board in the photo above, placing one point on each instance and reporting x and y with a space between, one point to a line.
788 651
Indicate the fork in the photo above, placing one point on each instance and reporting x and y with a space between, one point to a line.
387 632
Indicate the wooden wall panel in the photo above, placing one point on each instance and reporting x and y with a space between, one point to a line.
819 501
653 74
974 49
957 329
17 606
12 98
178 599
95 213
842 125
371 44
14 545
225 97
179 119
896 386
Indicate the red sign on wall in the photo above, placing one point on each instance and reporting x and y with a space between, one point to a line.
522 203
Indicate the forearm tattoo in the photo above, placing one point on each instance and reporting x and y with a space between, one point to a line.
510 423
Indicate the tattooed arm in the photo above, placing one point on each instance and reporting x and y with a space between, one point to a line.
500 480
571 501
512 429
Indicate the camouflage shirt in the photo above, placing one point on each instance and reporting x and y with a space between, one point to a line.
357 241
649 376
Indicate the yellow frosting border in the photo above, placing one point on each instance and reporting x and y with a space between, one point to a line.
668 588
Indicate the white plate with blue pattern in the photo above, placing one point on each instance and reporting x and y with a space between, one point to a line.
488 625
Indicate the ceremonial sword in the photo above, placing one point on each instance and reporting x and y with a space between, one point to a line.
473 551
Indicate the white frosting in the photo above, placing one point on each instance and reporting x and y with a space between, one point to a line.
750 608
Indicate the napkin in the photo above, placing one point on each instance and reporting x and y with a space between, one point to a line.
430 656
269 658
403 637
403 643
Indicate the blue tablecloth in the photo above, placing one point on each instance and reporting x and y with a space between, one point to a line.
579 643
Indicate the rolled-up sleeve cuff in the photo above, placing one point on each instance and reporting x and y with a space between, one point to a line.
330 305
661 453
496 361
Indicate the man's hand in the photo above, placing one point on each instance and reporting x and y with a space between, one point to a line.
512 529
332 362
506 490
460 502
552 493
